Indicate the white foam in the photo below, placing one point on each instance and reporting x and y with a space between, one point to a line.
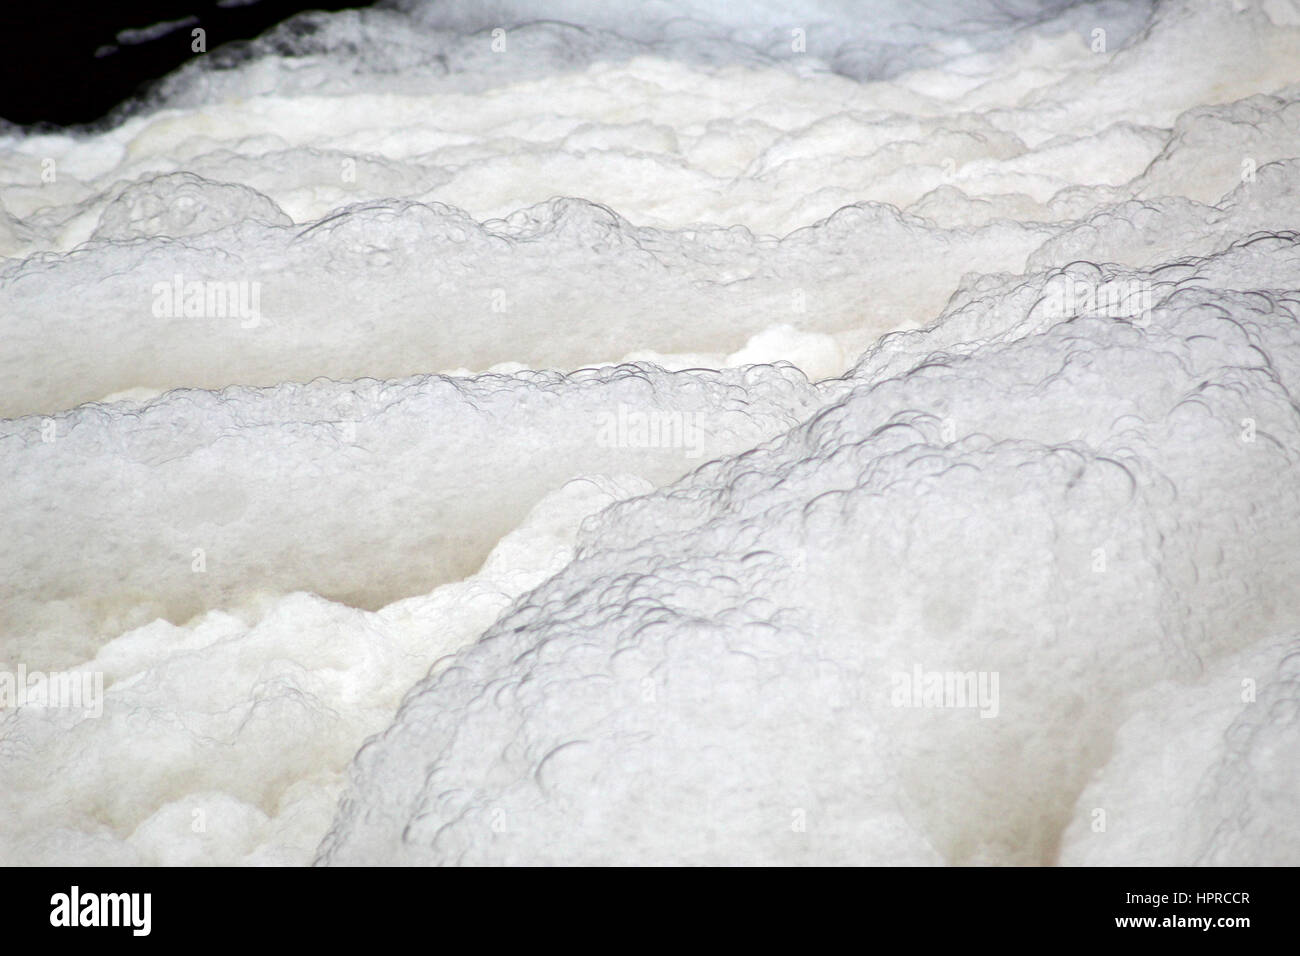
657 612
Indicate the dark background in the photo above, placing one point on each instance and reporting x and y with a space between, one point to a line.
49 74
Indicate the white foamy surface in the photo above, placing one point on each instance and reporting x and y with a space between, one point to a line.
654 612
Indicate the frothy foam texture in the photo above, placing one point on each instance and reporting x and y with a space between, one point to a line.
680 433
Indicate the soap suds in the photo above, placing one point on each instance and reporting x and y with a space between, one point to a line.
568 432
